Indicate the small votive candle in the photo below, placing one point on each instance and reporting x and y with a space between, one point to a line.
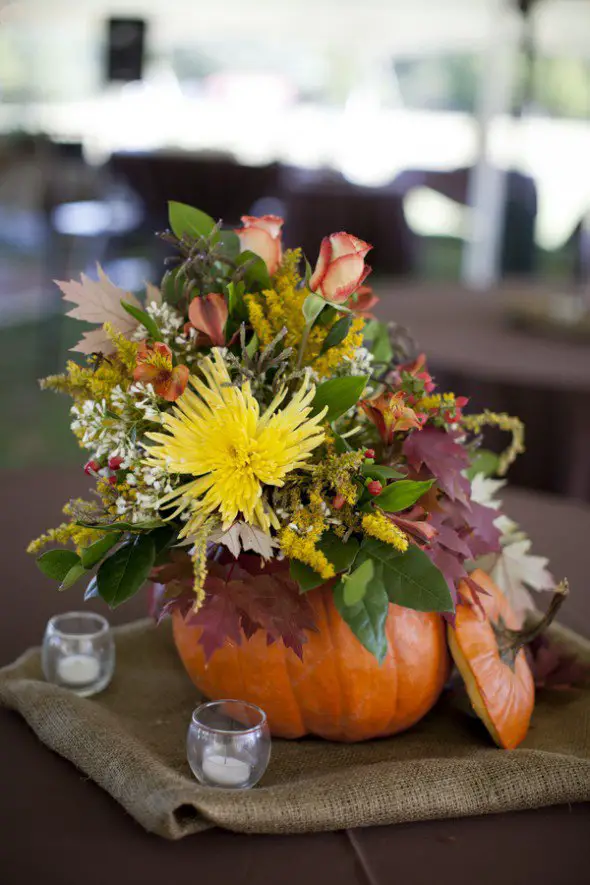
226 771
228 744
79 652
78 669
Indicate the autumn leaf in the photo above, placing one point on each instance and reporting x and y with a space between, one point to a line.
554 667
273 602
218 617
516 571
443 456
485 535
243 537
240 599
153 295
99 302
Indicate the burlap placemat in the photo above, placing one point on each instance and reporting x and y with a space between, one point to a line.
131 740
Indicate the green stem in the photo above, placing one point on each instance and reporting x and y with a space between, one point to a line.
303 344
511 641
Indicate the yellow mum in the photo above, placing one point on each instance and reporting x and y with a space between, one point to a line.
217 434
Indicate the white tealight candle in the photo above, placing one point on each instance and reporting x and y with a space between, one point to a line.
78 670
226 771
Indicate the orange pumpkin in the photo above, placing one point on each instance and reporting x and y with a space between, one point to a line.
339 691
488 651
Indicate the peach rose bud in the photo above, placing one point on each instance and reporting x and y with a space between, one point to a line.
341 267
263 237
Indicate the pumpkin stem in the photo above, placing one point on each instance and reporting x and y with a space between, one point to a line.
511 641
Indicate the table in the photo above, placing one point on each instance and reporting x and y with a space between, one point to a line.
473 352
58 828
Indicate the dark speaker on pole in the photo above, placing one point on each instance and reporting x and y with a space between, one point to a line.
125 49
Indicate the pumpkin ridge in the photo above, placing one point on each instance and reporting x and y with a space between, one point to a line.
238 668
336 652
393 655
288 670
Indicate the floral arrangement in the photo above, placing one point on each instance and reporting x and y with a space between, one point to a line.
254 432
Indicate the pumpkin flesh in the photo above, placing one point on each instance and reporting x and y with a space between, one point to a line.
501 688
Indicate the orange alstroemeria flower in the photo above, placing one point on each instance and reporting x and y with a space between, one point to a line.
390 414
208 314
418 369
154 366
363 301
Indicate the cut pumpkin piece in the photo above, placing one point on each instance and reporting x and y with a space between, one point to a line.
488 649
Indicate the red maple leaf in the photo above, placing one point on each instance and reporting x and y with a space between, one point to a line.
245 596
218 617
484 535
439 451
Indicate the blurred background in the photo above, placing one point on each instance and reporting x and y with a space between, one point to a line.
454 136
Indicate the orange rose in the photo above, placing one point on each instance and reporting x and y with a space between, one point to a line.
341 267
263 237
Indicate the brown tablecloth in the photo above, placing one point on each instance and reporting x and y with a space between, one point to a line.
58 827
544 381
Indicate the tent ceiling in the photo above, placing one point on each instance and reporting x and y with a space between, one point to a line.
561 26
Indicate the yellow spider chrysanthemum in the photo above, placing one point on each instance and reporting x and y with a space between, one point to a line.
217 434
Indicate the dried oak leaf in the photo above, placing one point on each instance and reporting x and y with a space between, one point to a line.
243 537
516 572
99 302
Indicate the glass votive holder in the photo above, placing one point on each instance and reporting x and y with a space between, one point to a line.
78 652
228 744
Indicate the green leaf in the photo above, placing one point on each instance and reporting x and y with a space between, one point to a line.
122 574
93 554
230 242
355 585
327 316
57 563
256 275
402 494
236 304
163 539
342 308
308 274
173 284
252 345
367 618
337 333
381 472
485 462
186 221
146 526
312 308
410 578
341 444
339 394
142 317
75 573
341 556
377 340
